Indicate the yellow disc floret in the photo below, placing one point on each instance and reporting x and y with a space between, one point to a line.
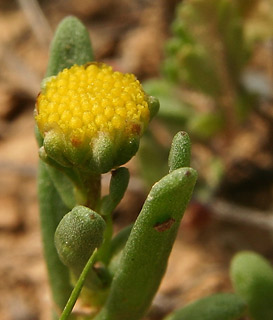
84 101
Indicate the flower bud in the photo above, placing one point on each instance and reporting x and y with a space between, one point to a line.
92 117
78 234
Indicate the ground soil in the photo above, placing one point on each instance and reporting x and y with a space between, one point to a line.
129 35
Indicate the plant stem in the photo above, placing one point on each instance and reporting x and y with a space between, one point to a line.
78 287
92 188
104 251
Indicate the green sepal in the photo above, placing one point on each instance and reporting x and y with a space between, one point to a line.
66 180
66 152
38 136
103 150
180 153
252 279
126 149
71 45
99 156
153 104
222 306
145 256
55 148
52 163
118 185
75 152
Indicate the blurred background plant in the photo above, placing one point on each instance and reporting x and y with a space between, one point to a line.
209 87
236 166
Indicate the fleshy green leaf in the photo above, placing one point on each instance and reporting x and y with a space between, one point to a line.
222 306
146 253
252 278
71 45
180 153
52 210
118 185
64 186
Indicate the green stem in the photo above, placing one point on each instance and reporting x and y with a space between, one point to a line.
92 187
78 287
104 251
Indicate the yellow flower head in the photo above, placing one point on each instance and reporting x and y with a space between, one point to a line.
85 103
86 100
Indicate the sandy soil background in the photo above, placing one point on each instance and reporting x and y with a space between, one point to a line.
130 35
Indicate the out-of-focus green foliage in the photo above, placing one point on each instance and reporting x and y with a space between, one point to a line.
222 306
252 278
209 51
207 54
204 88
